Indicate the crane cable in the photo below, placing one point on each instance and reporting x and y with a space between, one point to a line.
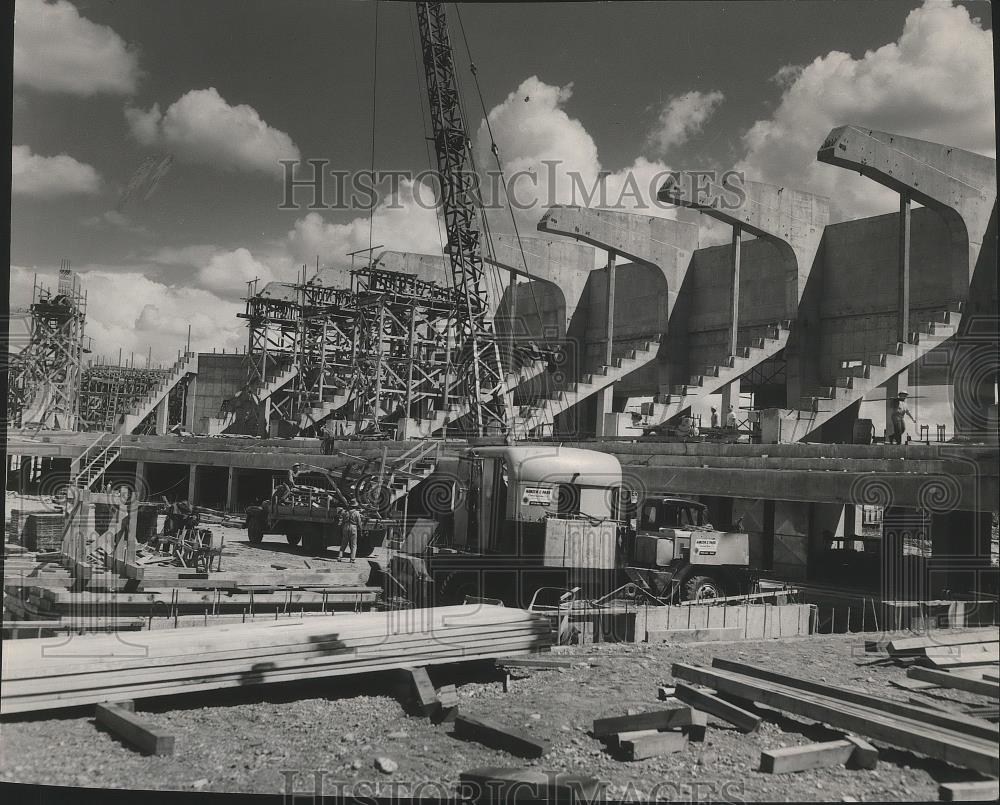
495 149
371 209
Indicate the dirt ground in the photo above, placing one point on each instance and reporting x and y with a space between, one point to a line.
280 738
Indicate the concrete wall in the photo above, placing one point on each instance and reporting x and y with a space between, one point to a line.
219 378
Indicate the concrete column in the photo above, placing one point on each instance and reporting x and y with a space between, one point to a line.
903 297
141 487
902 580
162 415
190 400
232 490
605 397
192 484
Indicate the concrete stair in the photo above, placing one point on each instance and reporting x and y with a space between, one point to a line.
185 365
459 408
716 377
538 417
90 465
860 378
260 391
314 416
411 468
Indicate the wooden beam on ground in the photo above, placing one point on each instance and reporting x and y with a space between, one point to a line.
489 784
949 745
133 730
976 791
531 662
928 715
659 743
720 708
418 691
989 634
851 751
949 680
665 693
498 736
656 720
447 705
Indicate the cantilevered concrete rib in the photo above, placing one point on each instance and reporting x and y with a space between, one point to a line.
559 263
793 220
662 243
960 185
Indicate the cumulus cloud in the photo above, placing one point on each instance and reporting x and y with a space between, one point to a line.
681 117
57 50
201 127
228 272
406 221
934 83
42 177
127 309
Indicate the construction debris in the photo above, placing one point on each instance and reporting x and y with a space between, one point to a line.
498 736
850 751
121 719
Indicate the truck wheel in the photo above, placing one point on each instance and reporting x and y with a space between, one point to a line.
255 524
702 588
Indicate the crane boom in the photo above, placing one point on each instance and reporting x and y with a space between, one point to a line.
482 375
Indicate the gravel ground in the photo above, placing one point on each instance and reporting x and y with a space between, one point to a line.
256 740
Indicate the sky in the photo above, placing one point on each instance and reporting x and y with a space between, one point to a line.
147 136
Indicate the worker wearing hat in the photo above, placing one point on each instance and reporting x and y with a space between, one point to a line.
898 412
350 528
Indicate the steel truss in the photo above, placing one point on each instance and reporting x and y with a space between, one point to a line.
478 353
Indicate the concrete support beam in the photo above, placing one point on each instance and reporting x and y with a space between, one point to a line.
562 264
662 243
192 484
141 485
162 415
960 185
792 220
190 402
605 397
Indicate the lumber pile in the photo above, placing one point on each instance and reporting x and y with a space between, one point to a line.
957 739
969 648
645 735
51 673
42 531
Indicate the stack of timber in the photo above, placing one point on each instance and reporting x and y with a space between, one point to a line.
42 531
972 648
51 673
960 740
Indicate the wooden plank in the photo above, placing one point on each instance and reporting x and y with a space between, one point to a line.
929 715
532 662
655 720
949 745
698 727
989 634
947 680
865 755
660 743
913 684
713 705
133 730
447 705
498 736
423 696
665 693
801 758
694 635
490 784
975 791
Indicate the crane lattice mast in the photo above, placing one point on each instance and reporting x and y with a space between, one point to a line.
482 374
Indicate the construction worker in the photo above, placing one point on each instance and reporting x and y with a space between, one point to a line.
731 418
350 529
898 411
687 429
715 418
